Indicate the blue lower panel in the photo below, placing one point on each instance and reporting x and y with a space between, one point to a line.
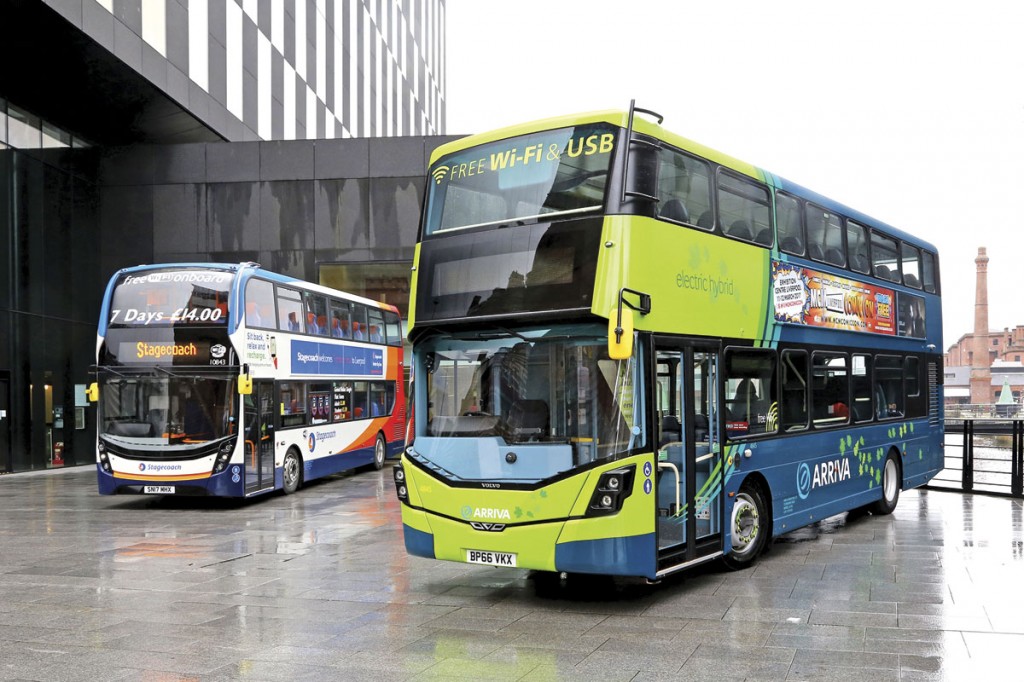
333 464
228 483
418 543
635 556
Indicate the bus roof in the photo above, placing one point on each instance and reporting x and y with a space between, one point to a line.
244 271
644 125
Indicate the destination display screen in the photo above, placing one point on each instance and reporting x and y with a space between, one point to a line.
168 347
172 297
521 179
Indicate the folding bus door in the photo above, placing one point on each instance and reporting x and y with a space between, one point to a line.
259 437
689 452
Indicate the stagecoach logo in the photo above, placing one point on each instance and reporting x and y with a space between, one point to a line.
469 512
159 467
312 442
825 473
218 350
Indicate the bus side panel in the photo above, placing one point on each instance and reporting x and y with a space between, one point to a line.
633 556
720 282
336 463
828 472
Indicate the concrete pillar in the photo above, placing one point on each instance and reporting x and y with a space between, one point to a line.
981 374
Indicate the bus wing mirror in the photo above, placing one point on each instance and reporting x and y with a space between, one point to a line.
245 381
93 392
620 333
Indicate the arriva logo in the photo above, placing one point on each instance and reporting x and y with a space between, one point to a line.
488 513
825 473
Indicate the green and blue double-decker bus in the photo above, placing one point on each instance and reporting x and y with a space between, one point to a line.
633 354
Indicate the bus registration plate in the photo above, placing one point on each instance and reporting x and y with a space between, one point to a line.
158 489
476 556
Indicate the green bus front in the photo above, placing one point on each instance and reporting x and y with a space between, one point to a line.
532 447
531 451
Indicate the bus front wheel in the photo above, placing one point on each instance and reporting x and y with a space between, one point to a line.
750 527
380 451
291 472
891 485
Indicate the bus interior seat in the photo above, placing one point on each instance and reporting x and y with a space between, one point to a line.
882 272
911 281
859 262
157 418
741 230
834 256
671 429
674 209
706 220
881 403
815 252
792 245
528 417
764 237
794 401
744 401
861 409
701 428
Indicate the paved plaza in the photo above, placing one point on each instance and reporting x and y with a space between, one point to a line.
317 586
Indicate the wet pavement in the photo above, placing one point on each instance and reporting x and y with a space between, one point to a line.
317 586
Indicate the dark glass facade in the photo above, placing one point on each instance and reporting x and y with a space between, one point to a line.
50 287
112 116
73 217
111 121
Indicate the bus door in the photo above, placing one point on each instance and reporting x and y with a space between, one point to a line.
689 453
259 437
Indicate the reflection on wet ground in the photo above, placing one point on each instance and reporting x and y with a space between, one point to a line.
318 586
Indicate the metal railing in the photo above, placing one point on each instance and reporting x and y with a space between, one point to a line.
983 456
983 411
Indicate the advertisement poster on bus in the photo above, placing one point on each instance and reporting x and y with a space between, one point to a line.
820 299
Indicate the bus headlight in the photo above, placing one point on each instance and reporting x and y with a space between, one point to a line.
104 460
224 455
612 488
400 487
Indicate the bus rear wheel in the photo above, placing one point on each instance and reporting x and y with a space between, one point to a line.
750 527
380 451
891 485
291 472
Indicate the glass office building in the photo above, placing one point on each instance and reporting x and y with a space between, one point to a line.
293 133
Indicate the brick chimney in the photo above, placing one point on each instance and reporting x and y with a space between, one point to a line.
981 374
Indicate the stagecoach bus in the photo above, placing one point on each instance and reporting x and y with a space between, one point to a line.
229 380
633 354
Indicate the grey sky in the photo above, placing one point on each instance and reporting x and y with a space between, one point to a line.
910 111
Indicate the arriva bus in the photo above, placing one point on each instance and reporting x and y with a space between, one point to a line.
633 354
229 380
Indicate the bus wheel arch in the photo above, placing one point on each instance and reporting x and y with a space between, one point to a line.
291 471
750 523
380 451
892 484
